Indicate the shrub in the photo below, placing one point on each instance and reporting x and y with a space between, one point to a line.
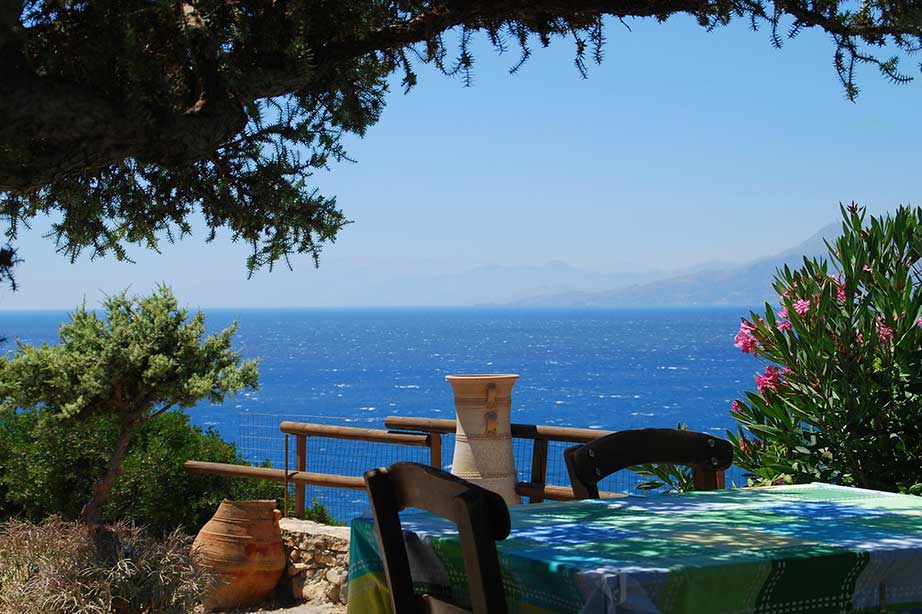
66 567
144 357
49 468
317 512
840 399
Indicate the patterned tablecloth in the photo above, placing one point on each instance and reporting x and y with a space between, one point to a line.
787 549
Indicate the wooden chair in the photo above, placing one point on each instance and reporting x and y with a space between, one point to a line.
707 455
481 516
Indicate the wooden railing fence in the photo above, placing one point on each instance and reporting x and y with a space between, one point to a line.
536 488
302 430
404 431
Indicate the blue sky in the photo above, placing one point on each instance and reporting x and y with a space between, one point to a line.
682 147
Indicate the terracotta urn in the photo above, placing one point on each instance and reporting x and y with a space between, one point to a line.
242 546
483 443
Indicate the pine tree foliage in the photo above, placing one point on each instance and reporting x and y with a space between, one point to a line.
145 356
122 117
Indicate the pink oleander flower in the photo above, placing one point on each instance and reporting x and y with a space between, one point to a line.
883 331
919 322
770 380
744 445
787 371
860 337
783 313
735 407
866 268
840 292
802 307
784 326
745 340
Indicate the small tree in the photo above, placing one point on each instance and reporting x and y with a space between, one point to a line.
145 357
841 398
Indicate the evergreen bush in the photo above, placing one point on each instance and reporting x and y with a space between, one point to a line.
50 466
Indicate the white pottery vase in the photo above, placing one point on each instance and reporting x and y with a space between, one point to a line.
483 443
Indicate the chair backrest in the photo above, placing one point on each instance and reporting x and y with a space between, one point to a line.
481 516
707 455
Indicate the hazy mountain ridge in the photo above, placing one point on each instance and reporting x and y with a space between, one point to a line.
747 284
500 284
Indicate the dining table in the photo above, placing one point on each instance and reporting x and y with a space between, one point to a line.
793 549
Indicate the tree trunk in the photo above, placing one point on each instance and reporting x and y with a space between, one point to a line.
92 511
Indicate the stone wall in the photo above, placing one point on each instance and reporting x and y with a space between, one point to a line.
318 560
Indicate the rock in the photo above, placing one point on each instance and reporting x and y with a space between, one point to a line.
302 528
297 568
315 591
319 560
324 558
336 576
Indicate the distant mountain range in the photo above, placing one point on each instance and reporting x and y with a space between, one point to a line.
513 284
501 284
747 284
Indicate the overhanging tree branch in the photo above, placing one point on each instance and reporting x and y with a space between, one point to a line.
10 26
124 116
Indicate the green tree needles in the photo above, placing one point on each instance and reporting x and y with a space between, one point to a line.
123 117
144 357
841 398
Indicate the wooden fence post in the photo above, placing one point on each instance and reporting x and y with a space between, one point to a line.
539 467
300 465
435 450
285 495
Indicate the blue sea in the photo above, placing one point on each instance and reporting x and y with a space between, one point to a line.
597 368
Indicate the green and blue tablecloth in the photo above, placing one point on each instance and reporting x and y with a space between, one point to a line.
781 550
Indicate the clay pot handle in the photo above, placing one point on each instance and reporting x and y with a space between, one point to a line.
491 396
489 420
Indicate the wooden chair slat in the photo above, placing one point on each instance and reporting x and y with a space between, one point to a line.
707 455
481 516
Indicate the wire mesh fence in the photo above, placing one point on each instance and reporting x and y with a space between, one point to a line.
260 441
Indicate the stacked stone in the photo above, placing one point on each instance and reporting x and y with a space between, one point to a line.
318 560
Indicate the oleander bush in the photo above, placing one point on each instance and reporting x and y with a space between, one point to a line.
61 567
840 399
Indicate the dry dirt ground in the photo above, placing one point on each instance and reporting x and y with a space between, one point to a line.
303 608
308 608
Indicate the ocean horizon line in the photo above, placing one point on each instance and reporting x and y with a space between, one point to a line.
442 308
